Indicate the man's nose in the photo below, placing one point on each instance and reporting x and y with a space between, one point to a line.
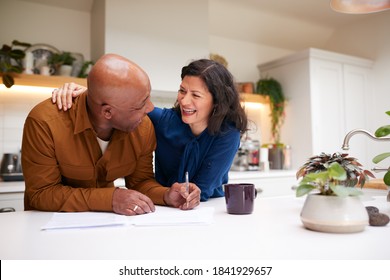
149 106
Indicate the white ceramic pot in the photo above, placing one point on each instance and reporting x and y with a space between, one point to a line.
65 70
334 214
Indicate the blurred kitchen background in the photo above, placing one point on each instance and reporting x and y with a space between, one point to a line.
163 36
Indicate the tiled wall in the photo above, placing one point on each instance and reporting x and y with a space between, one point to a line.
14 108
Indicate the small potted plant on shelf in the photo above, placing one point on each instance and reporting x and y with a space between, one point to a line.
85 69
62 62
336 206
11 61
271 88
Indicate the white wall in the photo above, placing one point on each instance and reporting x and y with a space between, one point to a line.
160 36
64 29
243 57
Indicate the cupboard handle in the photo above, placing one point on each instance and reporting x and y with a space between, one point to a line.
7 209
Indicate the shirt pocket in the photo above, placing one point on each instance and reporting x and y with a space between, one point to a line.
82 173
120 172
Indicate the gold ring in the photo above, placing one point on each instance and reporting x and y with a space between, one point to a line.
135 208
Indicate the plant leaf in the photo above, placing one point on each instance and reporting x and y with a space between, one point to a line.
342 191
304 189
380 157
336 171
312 177
8 80
386 178
382 131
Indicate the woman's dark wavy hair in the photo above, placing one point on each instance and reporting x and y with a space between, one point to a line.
226 99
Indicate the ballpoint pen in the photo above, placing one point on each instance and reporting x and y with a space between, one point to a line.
187 185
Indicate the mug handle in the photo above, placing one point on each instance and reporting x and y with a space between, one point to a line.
258 191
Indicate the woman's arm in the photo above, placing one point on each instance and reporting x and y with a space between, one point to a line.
213 172
64 94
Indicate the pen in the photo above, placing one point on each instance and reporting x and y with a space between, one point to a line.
187 186
187 183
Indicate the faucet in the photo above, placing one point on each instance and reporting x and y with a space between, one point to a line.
359 130
362 131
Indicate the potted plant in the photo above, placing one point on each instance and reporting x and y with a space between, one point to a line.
11 61
336 206
59 60
87 65
273 89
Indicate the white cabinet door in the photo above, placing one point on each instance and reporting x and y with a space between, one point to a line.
327 101
13 200
357 105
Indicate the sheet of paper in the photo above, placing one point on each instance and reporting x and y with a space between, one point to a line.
168 216
84 220
163 216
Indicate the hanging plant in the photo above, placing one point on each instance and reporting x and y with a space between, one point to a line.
273 89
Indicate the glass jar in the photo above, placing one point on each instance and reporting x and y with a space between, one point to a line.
253 154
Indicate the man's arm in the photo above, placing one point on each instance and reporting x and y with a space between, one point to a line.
44 188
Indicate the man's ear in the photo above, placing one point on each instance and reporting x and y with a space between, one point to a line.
106 111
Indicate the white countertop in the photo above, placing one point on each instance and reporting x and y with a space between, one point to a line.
18 186
273 231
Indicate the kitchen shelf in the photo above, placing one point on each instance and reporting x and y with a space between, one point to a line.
45 81
56 81
255 98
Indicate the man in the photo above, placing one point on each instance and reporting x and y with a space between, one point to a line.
70 159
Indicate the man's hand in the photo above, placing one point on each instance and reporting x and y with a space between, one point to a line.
130 202
177 196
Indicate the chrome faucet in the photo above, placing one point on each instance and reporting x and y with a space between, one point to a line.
362 131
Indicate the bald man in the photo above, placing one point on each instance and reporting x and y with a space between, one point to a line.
70 159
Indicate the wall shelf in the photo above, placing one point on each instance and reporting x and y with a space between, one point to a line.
255 98
57 81
45 81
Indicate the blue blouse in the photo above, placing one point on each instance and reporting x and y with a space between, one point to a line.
207 158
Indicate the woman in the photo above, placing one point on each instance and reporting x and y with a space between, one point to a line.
200 134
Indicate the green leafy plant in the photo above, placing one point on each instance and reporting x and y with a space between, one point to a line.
382 132
11 61
63 58
84 69
273 89
332 174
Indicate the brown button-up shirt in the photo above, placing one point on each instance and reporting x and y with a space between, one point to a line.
65 170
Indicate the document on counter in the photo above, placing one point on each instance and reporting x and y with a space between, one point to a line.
163 216
168 216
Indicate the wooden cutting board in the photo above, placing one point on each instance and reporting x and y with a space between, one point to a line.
375 184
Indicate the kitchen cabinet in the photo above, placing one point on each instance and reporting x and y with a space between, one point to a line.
12 195
272 183
328 94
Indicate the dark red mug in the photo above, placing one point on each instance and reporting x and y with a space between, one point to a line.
240 198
